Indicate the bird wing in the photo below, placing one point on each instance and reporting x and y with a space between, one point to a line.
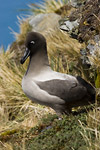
67 90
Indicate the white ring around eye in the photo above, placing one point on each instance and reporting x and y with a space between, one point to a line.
32 42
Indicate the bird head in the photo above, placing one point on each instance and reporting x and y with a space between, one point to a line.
34 42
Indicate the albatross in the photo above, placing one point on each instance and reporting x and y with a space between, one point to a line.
42 85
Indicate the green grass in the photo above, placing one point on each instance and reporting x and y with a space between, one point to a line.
62 135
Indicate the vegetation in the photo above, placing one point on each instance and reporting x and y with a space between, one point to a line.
47 6
65 55
28 126
52 133
16 111
91 131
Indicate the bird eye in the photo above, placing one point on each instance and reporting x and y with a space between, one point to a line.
32 42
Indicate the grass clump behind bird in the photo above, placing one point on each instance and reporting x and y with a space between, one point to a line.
64 52
24 27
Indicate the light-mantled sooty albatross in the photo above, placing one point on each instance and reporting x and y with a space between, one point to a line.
42 85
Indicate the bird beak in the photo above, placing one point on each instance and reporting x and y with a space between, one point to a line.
26 55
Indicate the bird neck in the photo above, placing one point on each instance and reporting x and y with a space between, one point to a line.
37 62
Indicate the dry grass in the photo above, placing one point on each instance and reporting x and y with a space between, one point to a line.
5 146
63 51
49 6
24 28
10 78
91 132
16 110
60 40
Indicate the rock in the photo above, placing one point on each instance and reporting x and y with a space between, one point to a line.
84 59
68 25
77 3
71 27
44 22
94 45
91 49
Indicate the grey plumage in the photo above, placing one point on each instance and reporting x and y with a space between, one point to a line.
66 90
47 87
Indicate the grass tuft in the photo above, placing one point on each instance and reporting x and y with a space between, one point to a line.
50 6
24 28
91 131
63 52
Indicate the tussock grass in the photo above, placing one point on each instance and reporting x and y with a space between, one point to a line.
49 6
16 110
63 43
63 51
24 28
10 77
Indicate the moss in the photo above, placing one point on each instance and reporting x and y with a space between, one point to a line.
52 134
6 135
97 81
70 132
62 134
